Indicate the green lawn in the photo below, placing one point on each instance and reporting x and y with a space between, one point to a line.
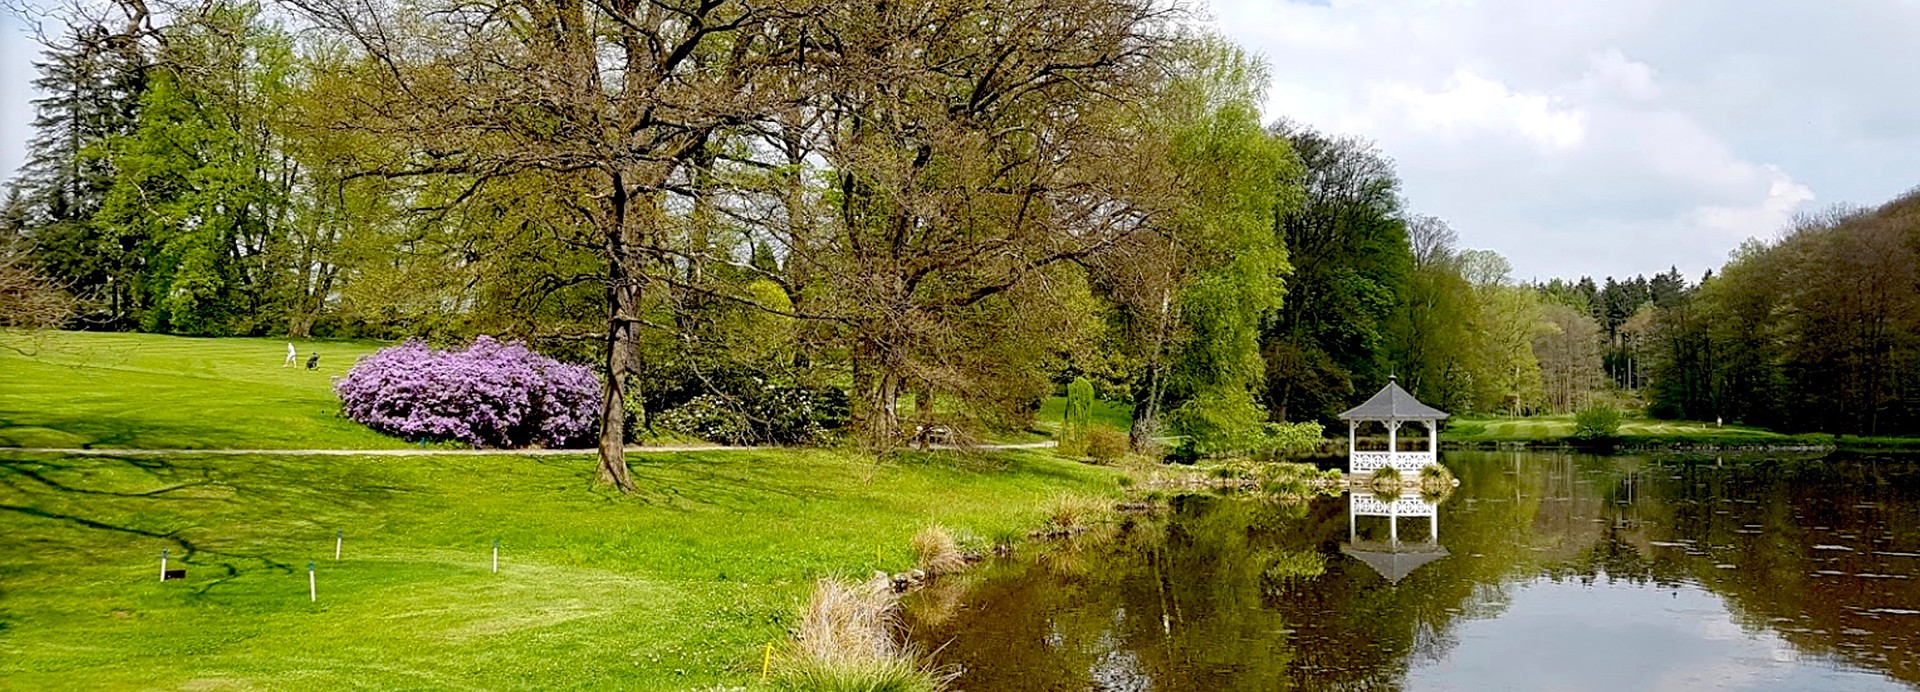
1113 415
677 587
79 389
1552 428
680 586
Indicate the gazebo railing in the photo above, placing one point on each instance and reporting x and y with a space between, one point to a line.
1406 462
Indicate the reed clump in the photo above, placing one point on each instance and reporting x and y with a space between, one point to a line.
847 642
938 552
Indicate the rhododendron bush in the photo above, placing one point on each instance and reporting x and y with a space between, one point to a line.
489 394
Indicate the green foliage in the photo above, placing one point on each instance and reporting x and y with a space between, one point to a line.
1386 480
1292 439
1106 445
1219 422
1597 421
1349 248
1076 418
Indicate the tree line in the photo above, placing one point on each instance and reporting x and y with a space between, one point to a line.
953 205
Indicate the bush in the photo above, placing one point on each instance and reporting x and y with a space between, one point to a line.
488 395
759 413
1106 445
1597 421
1075 418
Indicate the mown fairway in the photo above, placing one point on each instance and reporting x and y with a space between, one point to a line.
79 389
1546 428
680 586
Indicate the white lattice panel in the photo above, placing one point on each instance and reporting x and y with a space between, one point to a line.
1407 462
1409 505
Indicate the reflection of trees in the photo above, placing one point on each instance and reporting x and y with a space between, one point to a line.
1763 534
1219 596
1202 610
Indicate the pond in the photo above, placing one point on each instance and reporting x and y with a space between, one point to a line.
1540 571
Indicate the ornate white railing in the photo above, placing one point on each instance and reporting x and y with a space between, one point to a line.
1366 462
1410 505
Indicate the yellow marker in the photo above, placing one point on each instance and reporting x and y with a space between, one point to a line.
766 662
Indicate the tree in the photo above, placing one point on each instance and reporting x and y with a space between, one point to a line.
1193 291
28 298
599 107
1430 337
1348 243
1568 351
950 162
91 80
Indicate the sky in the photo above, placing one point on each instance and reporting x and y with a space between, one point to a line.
1607 137
1575 137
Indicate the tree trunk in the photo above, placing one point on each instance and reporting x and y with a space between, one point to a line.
1146 410
622 309
876 391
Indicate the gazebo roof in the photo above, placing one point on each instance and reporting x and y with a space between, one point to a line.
1394 562
1393 403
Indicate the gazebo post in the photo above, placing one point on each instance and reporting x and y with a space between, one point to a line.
1393 524
1393 443
1353 434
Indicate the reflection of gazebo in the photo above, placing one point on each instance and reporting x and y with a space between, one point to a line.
1392 407
1393 559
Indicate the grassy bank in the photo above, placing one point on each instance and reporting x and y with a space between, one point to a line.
1635 433
80 389
678 587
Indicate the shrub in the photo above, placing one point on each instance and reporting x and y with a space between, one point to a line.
761 412
1105 444
1385 479
1597 421
937 551
1075 417
489 394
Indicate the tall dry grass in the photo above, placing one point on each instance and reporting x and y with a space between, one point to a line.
938 551
847 642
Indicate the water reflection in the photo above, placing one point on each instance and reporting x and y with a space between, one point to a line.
1391 558
1540 571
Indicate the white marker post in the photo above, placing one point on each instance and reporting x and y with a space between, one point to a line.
163 564
496 556
313 587
338 535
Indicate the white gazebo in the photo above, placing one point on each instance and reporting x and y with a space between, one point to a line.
1393 407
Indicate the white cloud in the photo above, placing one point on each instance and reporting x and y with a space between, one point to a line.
1605 136
1469 103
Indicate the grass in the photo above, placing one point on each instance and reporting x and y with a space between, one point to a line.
84 389
1112 415
845 643
680 586
1553 430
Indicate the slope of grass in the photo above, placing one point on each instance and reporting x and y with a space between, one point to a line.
1633 431
1113 415
677 587
78 389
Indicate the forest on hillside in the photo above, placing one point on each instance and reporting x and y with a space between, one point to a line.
958 205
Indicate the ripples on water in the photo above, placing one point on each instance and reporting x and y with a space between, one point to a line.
1542 571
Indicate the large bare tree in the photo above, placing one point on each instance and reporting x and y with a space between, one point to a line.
598 105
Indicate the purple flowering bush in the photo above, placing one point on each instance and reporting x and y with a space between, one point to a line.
489 394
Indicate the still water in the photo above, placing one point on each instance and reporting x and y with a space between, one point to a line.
1539 572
